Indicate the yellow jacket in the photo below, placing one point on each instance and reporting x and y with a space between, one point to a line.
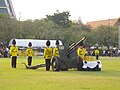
97 52
29 51
48 53
81 52
56 52
14 51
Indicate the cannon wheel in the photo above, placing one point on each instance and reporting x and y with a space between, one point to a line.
79 63
56 64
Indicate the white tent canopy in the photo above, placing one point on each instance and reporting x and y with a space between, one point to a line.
35 43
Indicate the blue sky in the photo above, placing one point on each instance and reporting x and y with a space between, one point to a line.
88 10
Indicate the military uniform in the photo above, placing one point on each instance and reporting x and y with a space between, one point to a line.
29 53
56 52
14 54
47 56
97 53
81 52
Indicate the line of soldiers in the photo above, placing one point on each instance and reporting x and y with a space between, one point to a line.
48 53
14 53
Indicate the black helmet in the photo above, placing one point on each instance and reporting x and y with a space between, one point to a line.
30 44
57 42
13 42
48 43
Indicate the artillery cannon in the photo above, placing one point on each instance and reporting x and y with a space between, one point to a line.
69 59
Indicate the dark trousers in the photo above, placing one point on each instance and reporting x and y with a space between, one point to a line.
13 63
97 56
79 63
29 61
47 62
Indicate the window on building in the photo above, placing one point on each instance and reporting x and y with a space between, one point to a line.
3 11
2 3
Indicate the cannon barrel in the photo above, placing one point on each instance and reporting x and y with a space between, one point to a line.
70 46
74 47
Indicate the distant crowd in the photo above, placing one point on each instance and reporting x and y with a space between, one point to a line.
114 52
4 52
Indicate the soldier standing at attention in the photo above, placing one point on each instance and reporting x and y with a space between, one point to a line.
97 52
47 55
29 53
14 53
56 50
57 55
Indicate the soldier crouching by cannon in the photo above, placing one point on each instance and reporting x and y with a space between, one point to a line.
81 52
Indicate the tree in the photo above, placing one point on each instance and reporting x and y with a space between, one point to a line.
61 19
106 35
8 27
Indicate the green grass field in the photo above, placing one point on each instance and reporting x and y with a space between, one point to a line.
24 79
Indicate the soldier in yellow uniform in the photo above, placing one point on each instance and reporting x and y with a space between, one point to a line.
14 53
29 53
97 52
55 50
82 52
48 55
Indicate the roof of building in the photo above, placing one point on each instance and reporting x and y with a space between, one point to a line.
108 22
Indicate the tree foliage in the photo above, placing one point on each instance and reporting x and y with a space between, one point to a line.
47 29
61 19
8 28
106 35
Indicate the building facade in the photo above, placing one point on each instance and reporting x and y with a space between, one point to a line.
6 7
